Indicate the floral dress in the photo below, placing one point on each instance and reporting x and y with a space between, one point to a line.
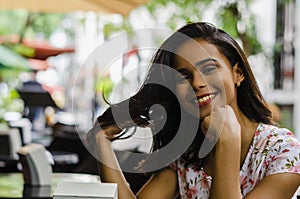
273 150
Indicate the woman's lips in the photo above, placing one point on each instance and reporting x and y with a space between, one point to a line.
203 100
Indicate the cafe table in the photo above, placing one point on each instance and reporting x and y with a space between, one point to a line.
12 185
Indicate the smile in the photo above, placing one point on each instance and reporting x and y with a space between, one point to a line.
204 100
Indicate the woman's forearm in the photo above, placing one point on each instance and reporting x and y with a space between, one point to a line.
109 169
225 182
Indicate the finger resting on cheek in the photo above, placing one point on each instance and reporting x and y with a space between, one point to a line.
205 124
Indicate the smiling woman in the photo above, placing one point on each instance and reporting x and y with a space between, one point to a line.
236 150
210 74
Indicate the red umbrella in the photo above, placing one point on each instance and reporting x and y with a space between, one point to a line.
44 49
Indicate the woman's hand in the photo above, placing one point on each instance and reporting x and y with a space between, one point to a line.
109 132
222 126
97 132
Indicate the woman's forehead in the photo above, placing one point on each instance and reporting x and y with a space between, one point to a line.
194 50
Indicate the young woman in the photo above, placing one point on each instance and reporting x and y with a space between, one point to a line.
248 156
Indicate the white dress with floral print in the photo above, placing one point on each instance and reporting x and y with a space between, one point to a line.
273 150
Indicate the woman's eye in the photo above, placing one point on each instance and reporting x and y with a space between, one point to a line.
208 69
182 78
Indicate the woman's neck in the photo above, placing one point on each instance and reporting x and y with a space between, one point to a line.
248 128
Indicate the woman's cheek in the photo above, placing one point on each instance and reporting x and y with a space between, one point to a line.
187 99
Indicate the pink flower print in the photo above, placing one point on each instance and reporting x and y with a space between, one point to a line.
244 184
285 150
273 158
294 144
295 168
265 163
260 146
173 166
194 168
256 133
192 191
180 172
251 181
289 133
204 183
263 144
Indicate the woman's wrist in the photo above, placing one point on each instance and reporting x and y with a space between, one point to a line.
101 137
107 133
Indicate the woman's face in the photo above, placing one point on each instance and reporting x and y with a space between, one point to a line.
211 76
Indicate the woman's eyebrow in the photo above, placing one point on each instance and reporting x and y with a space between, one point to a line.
182 70
199 63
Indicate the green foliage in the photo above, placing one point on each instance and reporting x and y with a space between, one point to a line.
228 14
9 97
104 86
110 28
282 2
184 11
10 102
12 61
229 22
154 4
12 21
21 22
45 23
21 49
7 75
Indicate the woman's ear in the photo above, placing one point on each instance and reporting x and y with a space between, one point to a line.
238 74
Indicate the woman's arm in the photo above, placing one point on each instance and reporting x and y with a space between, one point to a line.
276 186
224 128
109 169
162 185
226 181
226 167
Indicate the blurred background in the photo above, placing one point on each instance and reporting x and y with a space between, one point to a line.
55 70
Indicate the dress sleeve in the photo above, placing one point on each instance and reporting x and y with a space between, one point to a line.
284 154
173 166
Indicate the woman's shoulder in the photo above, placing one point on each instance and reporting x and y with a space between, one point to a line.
272 133
276 147
275 140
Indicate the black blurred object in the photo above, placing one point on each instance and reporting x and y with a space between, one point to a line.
34 94
42 99
36 167
10 143
33 192
66 141
67 145
36 99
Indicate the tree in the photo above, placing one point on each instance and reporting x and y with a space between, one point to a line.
234 16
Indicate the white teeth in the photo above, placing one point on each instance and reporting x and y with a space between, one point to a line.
203 99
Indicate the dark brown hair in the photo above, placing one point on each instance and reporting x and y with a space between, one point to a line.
249 98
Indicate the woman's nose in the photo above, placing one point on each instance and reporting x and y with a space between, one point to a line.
198 81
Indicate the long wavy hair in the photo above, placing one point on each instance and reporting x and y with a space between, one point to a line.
249 97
